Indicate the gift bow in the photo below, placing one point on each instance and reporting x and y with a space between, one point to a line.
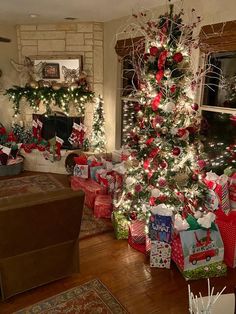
81 160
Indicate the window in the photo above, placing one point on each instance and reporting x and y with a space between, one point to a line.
218 100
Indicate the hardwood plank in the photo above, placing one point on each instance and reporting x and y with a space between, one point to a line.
127 275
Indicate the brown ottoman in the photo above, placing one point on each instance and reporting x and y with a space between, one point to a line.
39 239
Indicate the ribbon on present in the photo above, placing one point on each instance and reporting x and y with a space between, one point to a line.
95 163
81 160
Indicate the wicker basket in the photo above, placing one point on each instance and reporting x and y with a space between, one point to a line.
12 170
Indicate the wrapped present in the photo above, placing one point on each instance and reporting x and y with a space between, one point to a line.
78 183
81 171
120 225
227 227
192 249
137 231
232 191
141 247
103 206
93 171
160 223
218 195
160 254
90 188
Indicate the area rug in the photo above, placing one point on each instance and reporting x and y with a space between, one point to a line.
90 298
91 226
28 185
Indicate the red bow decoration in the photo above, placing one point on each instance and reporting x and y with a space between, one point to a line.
81 160
162 59
159 76
149 141
156 101
154 152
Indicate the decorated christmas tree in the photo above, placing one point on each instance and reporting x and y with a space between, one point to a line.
98 140
165 164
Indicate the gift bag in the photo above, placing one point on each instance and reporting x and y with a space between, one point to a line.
160 254
227 227
160 224
199 253
218 195
232 192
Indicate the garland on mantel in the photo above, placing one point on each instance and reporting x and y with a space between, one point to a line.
62 97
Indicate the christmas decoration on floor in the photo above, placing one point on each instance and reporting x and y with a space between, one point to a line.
98 140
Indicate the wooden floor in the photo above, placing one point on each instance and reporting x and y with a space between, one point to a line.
128 276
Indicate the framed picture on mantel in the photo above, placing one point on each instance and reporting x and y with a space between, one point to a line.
51 71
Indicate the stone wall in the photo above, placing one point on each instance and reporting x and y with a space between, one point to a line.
66 40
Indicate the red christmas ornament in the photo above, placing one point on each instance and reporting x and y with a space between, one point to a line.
133 216
138 188
152 201
201 164
11 137
146 164
159 76
154 152
162 182
162 59
178 57
163 164
156 101
146 56
149 141
157 120
153 51
181 132
195 106
2 131
191 129
162 198
176 151
173 89
194 177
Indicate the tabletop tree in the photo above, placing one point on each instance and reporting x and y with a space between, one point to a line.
98 139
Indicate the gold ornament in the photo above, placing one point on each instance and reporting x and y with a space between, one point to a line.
34 84
56 86
164 130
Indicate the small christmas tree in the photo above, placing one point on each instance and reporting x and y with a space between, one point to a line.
98 141
165 161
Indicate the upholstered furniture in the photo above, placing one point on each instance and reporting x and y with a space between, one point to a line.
38 239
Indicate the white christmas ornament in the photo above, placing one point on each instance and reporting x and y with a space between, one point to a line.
130 181
155 192
169 107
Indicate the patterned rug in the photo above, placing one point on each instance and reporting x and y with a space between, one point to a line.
90 298
91 225
28 185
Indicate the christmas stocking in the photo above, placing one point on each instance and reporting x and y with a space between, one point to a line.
59 143
74 138
39 129
35 129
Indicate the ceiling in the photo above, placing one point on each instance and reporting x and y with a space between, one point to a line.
51 11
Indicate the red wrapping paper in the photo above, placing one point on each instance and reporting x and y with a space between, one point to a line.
177 252
103 206
137 246
227 226
90 188
137 231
